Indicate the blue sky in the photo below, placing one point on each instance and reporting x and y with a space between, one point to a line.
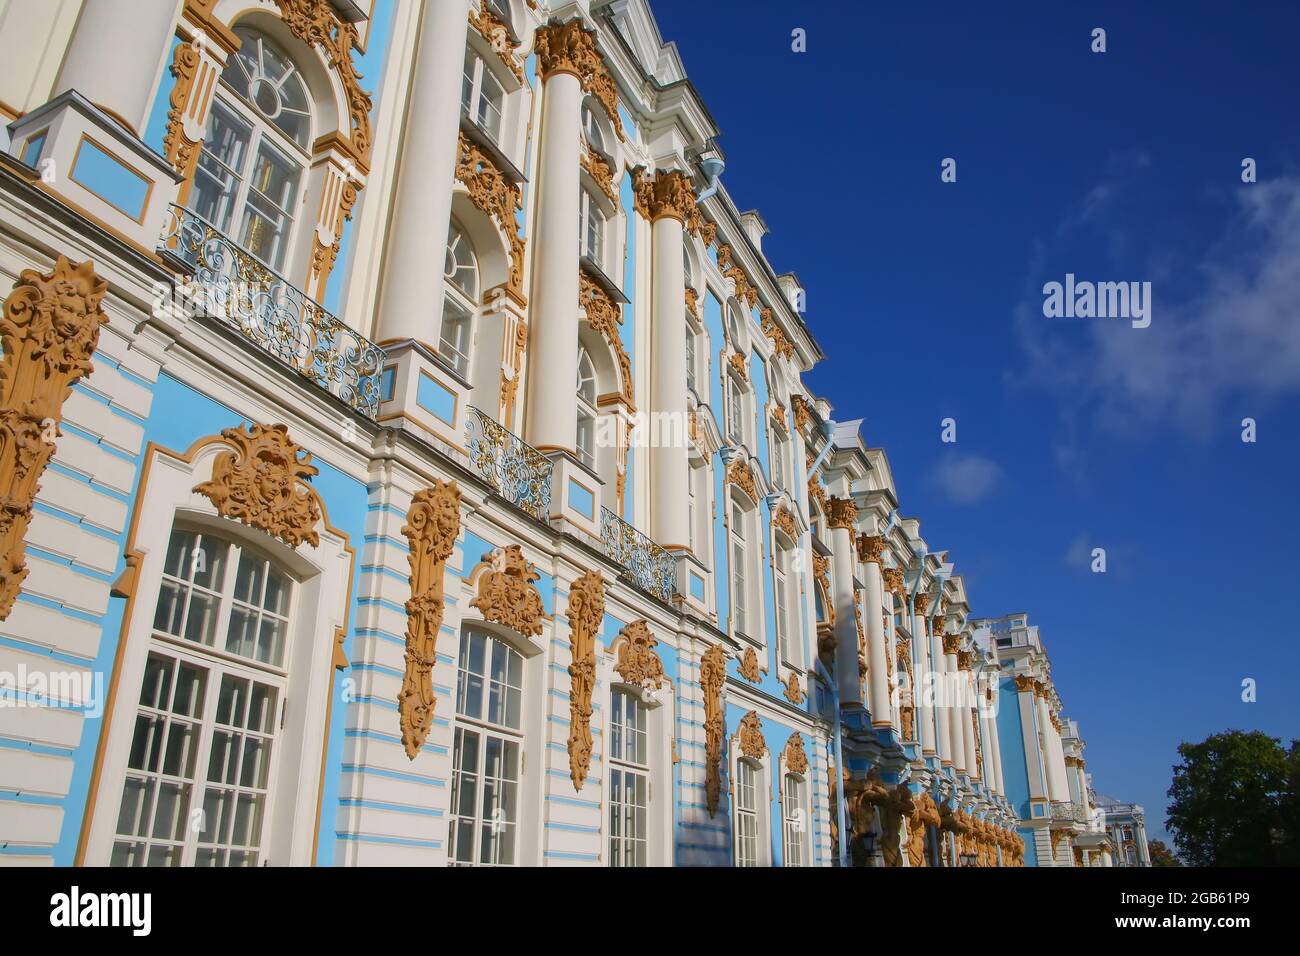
1072 433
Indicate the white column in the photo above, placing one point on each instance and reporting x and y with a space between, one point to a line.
668 464
1057 789
993 754
117 54
553 339
923 688
961 757
842 514
411 299
877 643
942 710
968 728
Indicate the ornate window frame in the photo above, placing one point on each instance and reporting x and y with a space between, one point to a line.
323 574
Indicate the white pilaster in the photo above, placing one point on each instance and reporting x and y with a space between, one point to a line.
668 474
846 630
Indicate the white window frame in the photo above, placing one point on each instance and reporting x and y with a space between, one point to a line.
454 297
738 562
475 77
592 223
759 813
320 609
625 767
586 411
486 729
798 784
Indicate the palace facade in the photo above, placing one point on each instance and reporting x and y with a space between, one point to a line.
407 460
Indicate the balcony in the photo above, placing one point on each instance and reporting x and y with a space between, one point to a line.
516 470
1066 812
645 564
235 288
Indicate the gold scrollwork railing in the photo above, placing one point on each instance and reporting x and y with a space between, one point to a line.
515 469
232 286
645 564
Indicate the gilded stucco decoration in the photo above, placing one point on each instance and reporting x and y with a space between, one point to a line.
323 256
733 271
796 758
921 603
604 317
1024 683
432 524
748 668
507 594
802 412
693 303
585 612
951 642
263 482
817 493
48 334
736 361
781 345
740 475
571 48
907 709
822 575
793 689
497 34
862 639
669 194
180 150
783 521
713 672
896 807
750 736
600 170
510 378
638 662
841 513
317 23
894 583
925 813
871 548
709 233
493 194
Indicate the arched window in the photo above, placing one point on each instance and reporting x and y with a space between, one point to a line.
629 781
209 709
487 759
795 824
459 299
482 97
586 392
250 168
748 796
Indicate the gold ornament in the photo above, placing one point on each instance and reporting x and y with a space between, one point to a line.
507 594
585 612
49 331
432 524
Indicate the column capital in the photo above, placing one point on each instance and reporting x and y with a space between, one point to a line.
871 547
841 513
1025 683
951 643
668 195
570 48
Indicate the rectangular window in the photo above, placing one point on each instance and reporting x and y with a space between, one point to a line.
746 814
454 341
735 420
591 228
739 586
690 358
487 756
782 626
482 96
778 461
796 822
629 782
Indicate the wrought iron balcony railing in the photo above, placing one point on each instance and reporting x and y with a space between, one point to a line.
235 288
516 470
645 564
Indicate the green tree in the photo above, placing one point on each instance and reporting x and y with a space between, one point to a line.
1160 854
1233 799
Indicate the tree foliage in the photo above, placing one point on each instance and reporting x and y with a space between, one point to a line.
1235 801
1160 854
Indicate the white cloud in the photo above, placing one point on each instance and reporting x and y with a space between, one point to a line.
965 479
1224 338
